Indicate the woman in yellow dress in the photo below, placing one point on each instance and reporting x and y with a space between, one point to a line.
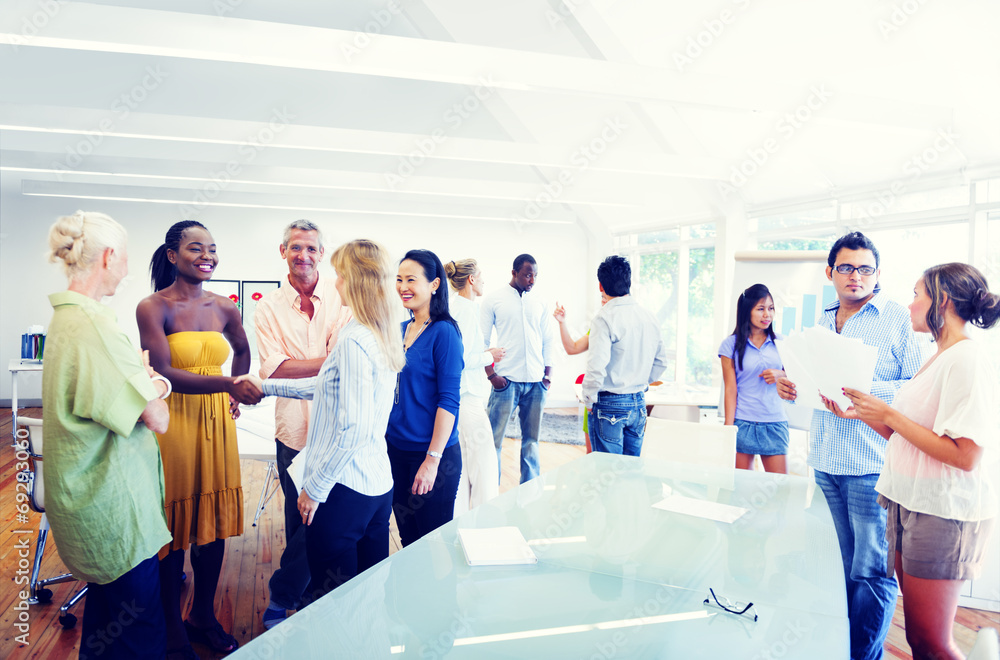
186 330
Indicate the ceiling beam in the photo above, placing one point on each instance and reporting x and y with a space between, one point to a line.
173 34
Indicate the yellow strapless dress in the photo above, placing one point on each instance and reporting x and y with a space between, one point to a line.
201 462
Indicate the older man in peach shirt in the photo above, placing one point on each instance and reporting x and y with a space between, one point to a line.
297 326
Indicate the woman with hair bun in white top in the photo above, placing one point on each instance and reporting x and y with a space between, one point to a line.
940 478
480 478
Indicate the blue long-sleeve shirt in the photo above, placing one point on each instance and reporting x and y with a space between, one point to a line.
430 380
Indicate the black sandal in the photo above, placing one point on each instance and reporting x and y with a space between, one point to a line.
214 636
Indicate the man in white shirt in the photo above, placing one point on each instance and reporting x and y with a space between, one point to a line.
297 327
626 354
522 380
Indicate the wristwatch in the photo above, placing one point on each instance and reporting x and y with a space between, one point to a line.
434 454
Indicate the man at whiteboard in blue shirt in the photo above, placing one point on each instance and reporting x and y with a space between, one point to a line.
846 454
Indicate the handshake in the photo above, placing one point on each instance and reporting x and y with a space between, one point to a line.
247 389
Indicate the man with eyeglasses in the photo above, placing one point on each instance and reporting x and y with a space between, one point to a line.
846 454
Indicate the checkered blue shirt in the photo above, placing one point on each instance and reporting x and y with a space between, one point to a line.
849 446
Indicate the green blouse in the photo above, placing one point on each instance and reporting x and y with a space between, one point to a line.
103 475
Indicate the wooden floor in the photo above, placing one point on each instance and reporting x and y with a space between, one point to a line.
250 560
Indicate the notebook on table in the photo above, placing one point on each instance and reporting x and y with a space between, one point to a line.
496 546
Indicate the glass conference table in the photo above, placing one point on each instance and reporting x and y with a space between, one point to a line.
615 578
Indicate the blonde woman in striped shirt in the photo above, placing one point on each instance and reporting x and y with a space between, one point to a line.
346 493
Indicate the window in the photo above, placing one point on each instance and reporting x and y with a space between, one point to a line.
658 292
673 274
905 252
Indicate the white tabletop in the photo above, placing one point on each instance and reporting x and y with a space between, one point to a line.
615 578
255 431
24 365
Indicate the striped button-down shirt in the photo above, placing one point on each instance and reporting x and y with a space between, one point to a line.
849 446
352 398
285 332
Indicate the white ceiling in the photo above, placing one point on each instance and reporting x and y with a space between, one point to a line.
627 114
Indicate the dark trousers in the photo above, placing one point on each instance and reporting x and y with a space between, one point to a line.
417 515
349 534
289 582
124 618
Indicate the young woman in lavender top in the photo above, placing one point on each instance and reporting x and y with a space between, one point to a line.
750 369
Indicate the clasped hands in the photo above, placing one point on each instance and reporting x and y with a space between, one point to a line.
247 389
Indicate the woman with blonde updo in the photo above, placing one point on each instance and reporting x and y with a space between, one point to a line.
940 478
480 474
103 477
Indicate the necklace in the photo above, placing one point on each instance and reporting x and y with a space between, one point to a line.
419 332
395 399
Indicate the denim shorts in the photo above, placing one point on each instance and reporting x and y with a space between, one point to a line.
932 547
761 438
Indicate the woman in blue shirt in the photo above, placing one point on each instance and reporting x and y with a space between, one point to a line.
345 497
422 436
750 368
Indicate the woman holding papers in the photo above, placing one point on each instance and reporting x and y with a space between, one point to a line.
480 480
939 482
750 368
346 485
422 436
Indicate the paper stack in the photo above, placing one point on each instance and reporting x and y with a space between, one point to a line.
496 546
819 360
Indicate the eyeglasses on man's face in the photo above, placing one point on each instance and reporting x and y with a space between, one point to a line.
847 269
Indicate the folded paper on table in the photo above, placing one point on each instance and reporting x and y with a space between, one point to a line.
819 360
496 546
700 508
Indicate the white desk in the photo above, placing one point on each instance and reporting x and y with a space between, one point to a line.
255 438
615 578
16 367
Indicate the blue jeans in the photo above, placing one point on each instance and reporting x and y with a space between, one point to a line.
289 582
860 523
529 399
618 423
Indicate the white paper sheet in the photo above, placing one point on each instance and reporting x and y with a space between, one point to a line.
700 508
819 360
296 469
495 546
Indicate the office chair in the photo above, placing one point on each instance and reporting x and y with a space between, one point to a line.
30 433
689 442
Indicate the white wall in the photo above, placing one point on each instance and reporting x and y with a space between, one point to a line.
248 250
